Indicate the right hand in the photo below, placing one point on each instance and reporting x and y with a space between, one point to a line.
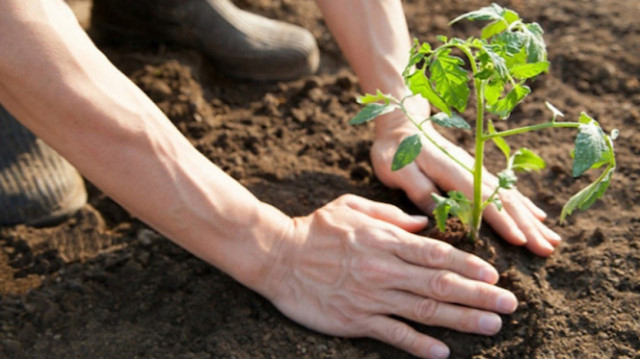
347 267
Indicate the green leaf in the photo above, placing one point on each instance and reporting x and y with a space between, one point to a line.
507 179
497 60
590 147
586 119
493 90
526 160
493 29
587 196
369 98
534 42
496 200
499 141
442 38
511 16
511 42
420 85
407 151
504 106
451 79
371 111
525 71
491 12
456 204
453 121
441 211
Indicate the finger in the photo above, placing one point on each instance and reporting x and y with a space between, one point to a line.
386 212
536 241
435 313
553 237
450 287
427 252
402 336
417 186
504 225
537 211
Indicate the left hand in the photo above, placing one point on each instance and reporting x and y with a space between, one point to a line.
520 222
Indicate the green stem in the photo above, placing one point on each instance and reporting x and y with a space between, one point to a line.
476 214
488 201
438 146
524 129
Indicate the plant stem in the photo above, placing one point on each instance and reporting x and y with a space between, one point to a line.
525 129
476 214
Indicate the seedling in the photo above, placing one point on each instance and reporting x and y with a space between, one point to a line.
508 53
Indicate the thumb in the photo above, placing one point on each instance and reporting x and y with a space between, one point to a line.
388 213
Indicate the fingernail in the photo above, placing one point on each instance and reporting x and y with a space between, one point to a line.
506 303
546 245
488 275
555 236
439 351
419 218
490 323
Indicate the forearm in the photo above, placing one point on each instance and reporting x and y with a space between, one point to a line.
61 87
374 38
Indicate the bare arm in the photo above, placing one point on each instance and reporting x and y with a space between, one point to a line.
60 86
342 269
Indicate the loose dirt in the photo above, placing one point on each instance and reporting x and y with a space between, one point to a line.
104 285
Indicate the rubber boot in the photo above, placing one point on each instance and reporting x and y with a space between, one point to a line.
241 44
37 186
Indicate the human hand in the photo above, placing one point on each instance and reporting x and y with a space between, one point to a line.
520 222
344 269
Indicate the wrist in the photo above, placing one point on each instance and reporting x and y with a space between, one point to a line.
415 106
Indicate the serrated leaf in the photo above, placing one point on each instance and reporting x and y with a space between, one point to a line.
453 121
496 200
371 98
441 211
556 113
457 204
511 42
497 60
525 71
493 29
371 111
507 179
534 42
504 106
485 74
590 146
420 85
511 16
491 12
586 119
450 79
587 196
526 160
442 38
499 141
407 151
493 90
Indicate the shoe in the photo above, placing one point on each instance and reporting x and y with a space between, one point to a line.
241 44
37 186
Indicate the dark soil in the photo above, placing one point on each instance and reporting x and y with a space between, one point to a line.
103 285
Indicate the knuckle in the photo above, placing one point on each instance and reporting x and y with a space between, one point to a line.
442 284
346 198
425 310
437 254
398 334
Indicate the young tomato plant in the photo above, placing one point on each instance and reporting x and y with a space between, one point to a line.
507 54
